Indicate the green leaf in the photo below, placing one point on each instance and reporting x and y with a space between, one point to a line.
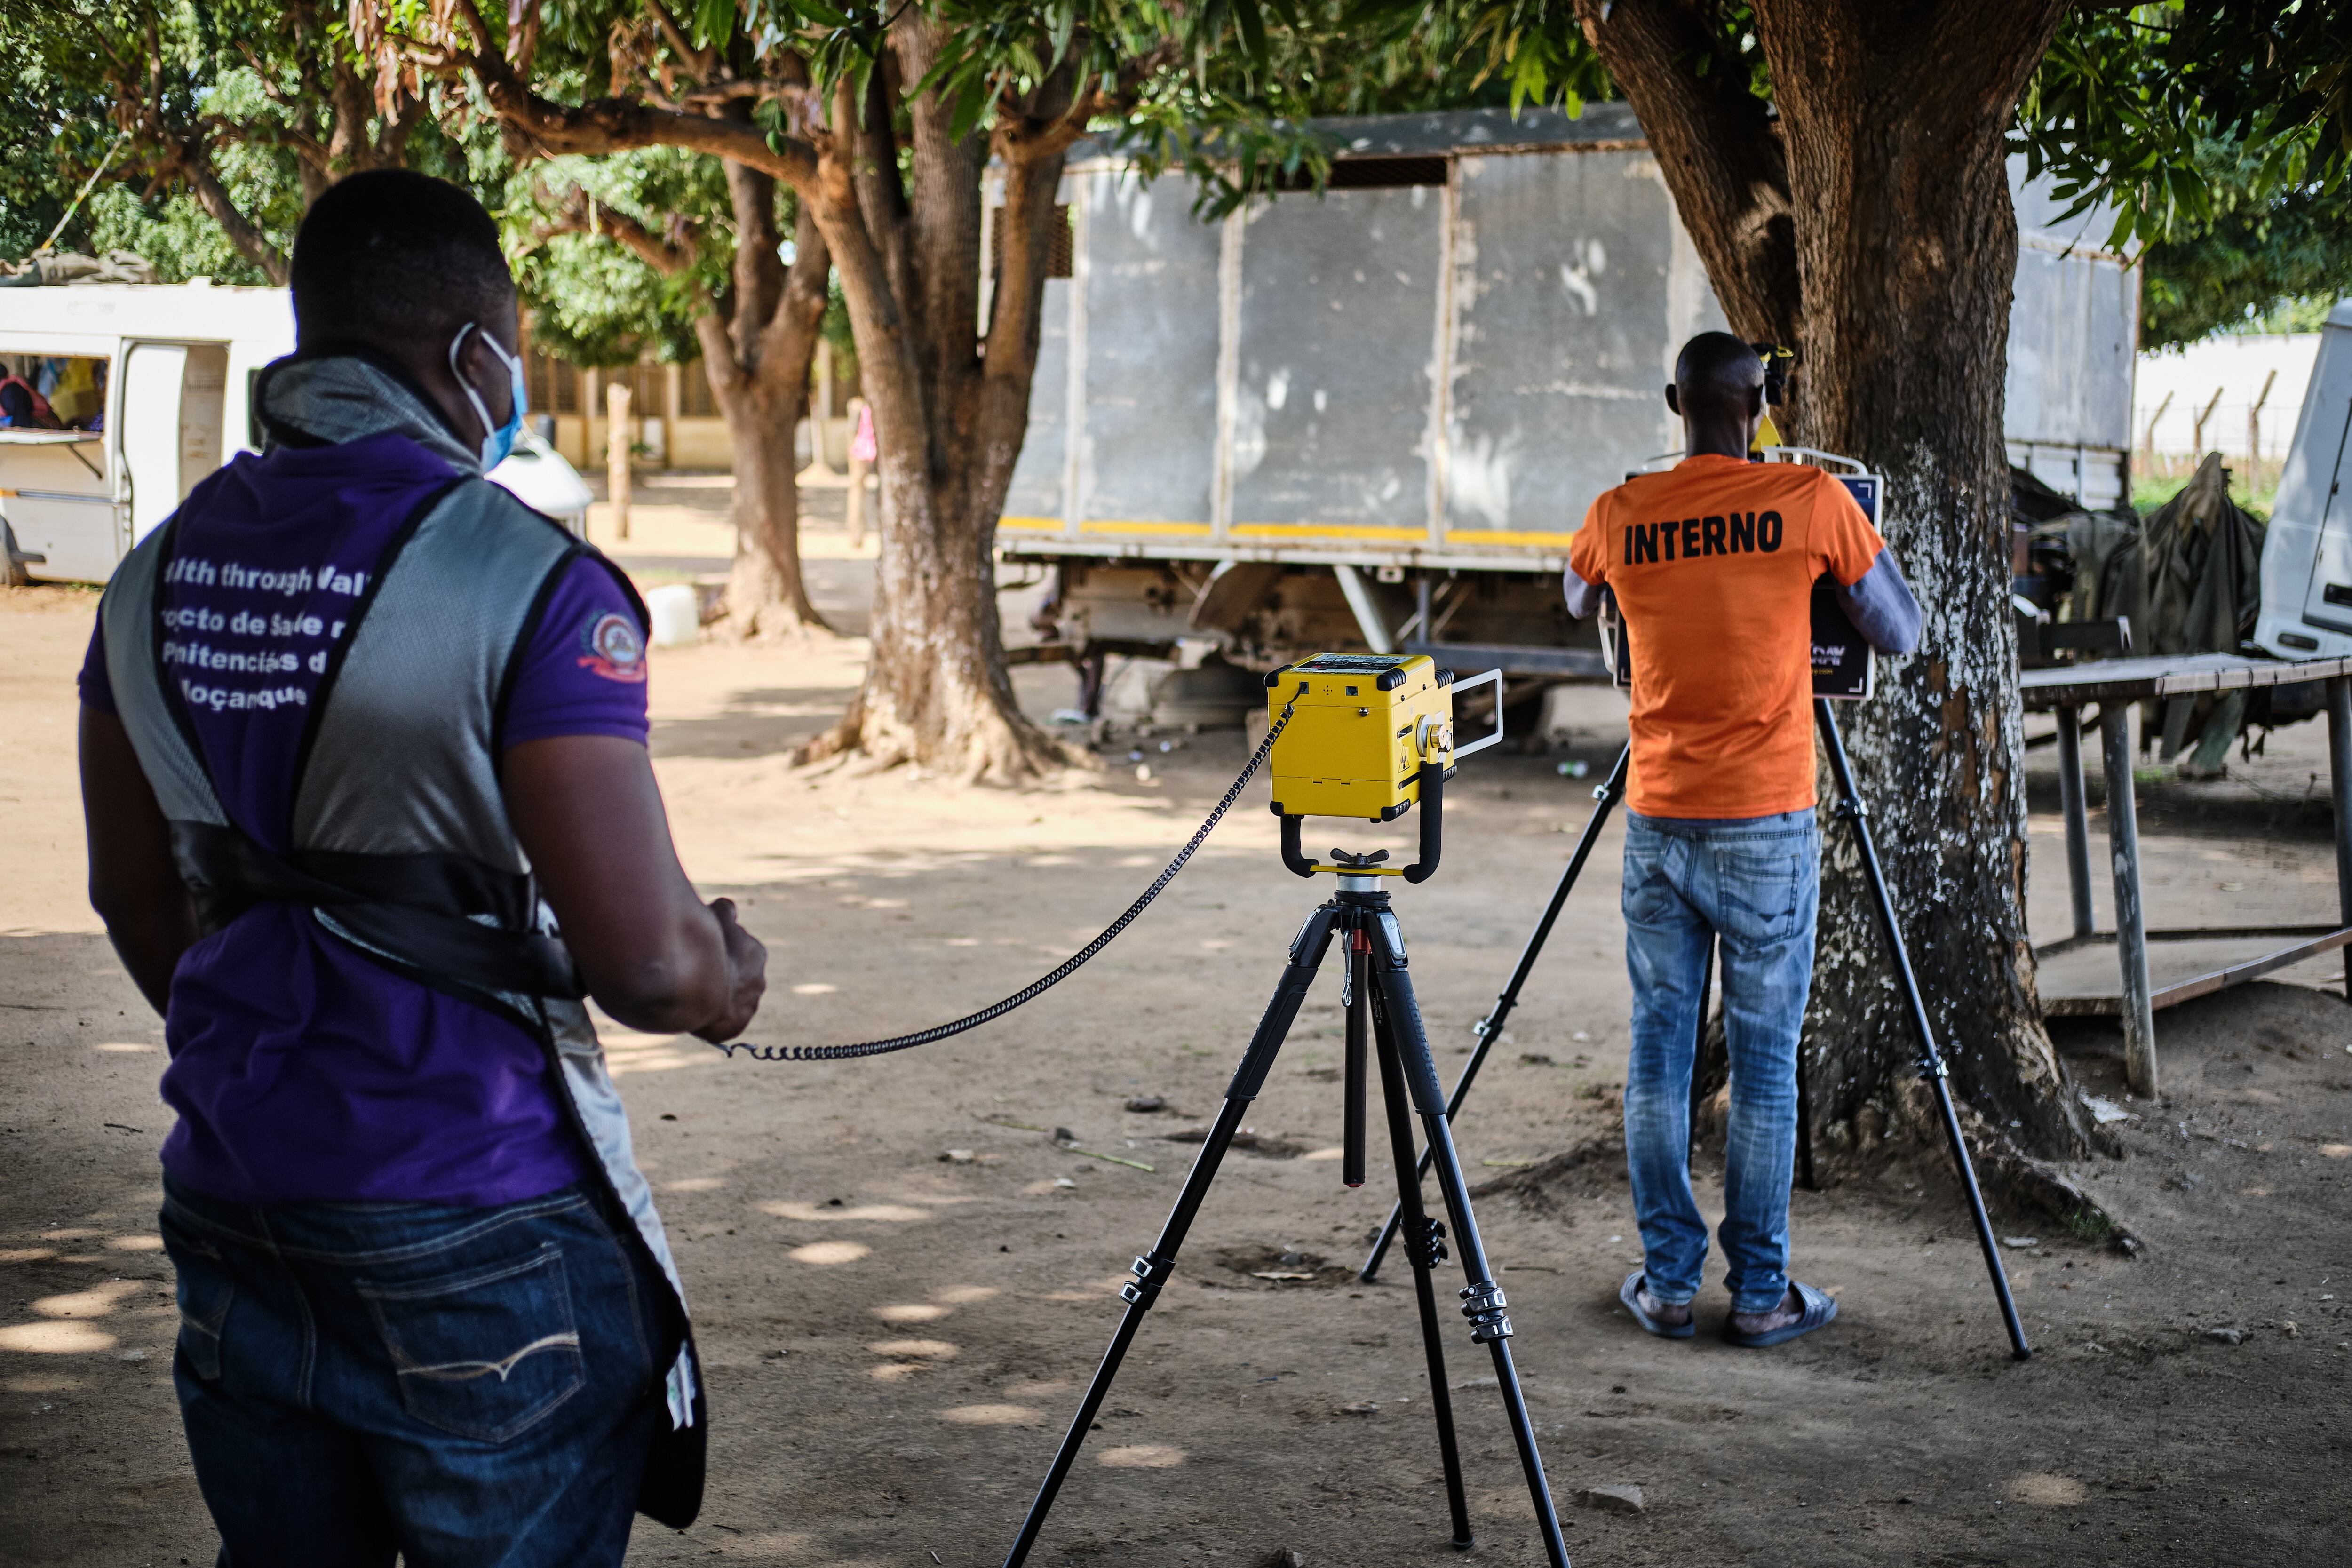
714 20
1251 24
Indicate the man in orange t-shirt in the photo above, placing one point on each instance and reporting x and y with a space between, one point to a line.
1713 564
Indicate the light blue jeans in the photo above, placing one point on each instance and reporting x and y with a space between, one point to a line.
1754 884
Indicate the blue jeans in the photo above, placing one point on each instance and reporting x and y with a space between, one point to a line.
1753 884
457 1386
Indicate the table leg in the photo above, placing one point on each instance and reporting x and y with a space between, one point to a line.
2339 780
2120 750
2077 813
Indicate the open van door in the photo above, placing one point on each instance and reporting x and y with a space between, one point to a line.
2307 549
2329 602
169 430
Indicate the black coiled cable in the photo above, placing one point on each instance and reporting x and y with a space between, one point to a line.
1035 988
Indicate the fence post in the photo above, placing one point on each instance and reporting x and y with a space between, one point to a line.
2254 437
616 454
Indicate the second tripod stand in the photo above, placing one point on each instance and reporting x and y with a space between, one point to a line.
1383 1019
1850 811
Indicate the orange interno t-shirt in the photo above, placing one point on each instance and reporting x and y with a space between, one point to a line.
1713 564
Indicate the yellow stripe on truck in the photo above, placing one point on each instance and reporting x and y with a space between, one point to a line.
1506 536
1322 530
1189 530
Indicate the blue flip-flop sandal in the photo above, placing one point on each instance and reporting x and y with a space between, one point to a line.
1819 1309
1629 1293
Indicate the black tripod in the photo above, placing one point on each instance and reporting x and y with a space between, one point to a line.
1490 1028
1381 1015
1931 1059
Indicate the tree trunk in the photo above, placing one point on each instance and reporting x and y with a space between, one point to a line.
1906 246
1902 245
767 596
759 376
949 411
949 418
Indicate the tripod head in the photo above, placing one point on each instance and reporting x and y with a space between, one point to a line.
1367 736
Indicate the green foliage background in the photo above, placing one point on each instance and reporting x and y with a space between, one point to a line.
2224 143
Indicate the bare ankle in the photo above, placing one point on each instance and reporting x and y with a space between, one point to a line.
1671 1312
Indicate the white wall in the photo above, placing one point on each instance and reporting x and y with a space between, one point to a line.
2234 366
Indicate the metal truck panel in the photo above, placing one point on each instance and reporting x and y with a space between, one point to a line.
1573 286
2073 330
1427 374
1034 502
1339 335
1148 435
1451 130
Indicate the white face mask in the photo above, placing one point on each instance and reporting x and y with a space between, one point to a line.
498 441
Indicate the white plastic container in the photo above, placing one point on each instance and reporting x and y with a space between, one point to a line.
677 614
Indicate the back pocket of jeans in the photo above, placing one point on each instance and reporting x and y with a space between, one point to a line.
1759 893
484 1353
1647 895
202 1286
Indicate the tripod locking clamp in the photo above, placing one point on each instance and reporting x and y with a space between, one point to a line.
1151 1274
1482 1304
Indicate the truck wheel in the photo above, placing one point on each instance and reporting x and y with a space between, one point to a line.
12 571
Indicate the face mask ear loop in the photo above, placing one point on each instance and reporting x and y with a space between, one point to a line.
481 410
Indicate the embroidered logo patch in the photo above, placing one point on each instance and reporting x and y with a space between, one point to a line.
616 651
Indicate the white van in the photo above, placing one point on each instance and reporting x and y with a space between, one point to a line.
154 384
2307 551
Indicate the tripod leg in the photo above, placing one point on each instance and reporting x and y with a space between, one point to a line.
1482 1300
1360 1028
1931 1059
1425 1246
1153 1269
1490 1028
1804 1126
1698 1044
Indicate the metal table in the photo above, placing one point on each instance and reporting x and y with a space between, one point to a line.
2118 687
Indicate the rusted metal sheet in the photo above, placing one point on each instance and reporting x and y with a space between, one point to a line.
1147 436
1035 503
1338 335
1573 286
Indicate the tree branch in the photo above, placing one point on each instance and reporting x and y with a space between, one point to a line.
801 310
195 165
524 18
872 130
759 272
545 128
666 256
704 62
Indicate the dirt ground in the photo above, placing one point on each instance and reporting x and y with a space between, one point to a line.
903 1278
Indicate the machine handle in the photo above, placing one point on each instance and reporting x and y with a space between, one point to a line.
1292 855
1495 676
1432 822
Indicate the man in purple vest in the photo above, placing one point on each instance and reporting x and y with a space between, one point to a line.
370 816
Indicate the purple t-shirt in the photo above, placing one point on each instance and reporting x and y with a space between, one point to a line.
300 1071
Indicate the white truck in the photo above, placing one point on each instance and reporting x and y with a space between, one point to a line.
154 384
2307 551
1374 418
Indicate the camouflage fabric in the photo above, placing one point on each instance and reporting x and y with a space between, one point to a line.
2189 580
